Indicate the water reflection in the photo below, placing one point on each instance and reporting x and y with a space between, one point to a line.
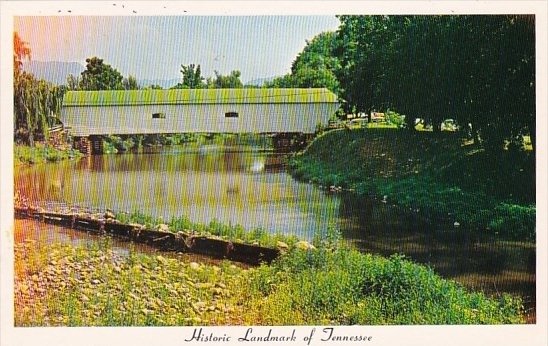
249 188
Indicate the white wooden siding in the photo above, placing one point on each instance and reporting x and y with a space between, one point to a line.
207 118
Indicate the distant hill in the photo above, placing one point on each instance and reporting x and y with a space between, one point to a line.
260 81
53 71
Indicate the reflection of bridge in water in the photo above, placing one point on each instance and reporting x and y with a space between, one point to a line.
191 160
289 116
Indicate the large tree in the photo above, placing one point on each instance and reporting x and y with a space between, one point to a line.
364 45
192 77
479 70
100 76
35 101
314 67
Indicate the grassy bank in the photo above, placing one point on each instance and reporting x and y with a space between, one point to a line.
437 175
23 154
93 286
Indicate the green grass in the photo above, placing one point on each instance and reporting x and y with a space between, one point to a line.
434 173
238 233
23 154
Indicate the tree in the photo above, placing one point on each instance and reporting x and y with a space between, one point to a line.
100 76
364 42
130 83
223 82
73 82
36 102
21 51
192 78
285 81
478 70
314 67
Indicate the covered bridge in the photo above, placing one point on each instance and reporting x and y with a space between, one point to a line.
253 110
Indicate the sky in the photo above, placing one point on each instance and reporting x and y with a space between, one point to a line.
154 47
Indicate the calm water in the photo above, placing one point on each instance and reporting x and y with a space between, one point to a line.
253 189
249 188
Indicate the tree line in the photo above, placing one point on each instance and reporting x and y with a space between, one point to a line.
478 70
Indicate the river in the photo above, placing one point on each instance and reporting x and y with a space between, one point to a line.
252 188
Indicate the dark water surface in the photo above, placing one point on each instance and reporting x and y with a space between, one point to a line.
252 188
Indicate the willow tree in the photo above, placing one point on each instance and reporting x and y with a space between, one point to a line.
35 101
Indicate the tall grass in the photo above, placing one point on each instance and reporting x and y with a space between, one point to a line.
347 287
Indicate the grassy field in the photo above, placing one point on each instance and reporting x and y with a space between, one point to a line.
61 285
436 174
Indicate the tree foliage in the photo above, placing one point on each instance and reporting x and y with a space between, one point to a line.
130 83
192 77
314 67
21 51
223 82
478 70
35 101
100 76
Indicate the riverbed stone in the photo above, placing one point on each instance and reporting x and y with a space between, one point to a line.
282 246
304 245
162 227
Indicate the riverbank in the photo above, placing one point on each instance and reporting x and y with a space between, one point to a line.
439 177
91 285
23 154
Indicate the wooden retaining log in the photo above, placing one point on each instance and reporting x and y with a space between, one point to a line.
239 252
180 241
252 253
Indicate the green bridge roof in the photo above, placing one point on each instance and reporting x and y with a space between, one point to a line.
197 96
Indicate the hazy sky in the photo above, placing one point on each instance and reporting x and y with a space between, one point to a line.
155 47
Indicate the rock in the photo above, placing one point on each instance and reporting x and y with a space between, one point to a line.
161 259
282 246
456 224
162 227
304 245
109 215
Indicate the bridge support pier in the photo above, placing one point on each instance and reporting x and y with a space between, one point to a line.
96 144
291 141
88 145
